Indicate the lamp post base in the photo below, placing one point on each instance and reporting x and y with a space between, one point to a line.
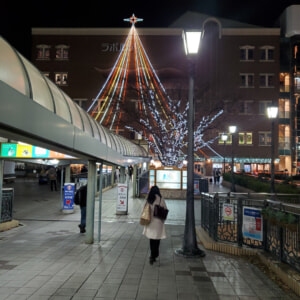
190 253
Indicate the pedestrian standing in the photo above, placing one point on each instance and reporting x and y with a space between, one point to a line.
52 177
118 174
155 231
130 172
80 198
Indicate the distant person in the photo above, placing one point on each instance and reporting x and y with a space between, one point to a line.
52 177
80 199
117 174
84 169
130 172
218 175
155 231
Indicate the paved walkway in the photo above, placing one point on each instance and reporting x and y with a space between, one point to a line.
47 258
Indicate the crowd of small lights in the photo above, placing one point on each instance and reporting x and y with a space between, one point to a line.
165 128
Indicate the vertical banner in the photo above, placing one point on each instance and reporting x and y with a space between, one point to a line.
252 223
122 200
69 192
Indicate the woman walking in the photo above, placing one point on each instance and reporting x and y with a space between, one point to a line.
155 231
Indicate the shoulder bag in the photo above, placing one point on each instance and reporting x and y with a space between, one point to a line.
160 212
146 214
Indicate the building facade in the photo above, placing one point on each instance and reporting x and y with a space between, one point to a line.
238 70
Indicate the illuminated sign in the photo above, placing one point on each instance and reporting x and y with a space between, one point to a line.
168 179
10 150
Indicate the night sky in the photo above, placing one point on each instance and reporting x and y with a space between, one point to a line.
18 17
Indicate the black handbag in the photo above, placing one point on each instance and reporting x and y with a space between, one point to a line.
160 212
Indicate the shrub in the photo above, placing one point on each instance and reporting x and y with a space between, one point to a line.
257 185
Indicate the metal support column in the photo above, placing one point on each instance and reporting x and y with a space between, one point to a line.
90 203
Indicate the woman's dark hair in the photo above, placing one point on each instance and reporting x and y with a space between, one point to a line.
153 191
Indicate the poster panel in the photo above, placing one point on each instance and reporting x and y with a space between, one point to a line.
252 223
69 192
122 197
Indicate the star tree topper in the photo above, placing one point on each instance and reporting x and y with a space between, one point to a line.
133 19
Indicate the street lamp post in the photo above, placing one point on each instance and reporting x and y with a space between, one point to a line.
190 248
272 112
224 138
232 130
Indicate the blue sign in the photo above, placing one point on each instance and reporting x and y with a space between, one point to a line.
69 192
252 223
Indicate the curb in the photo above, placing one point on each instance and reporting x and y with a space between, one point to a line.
9 225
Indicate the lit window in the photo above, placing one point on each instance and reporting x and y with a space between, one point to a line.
263 107
265 138
267 53
43 51
61 78
46 74
266 80
62 52
284 108
246 80
247 53
245 138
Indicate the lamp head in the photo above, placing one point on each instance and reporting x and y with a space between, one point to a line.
232 129
272 112
224 137
191 41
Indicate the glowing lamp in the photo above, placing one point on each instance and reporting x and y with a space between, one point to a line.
232 129
191 41
272 112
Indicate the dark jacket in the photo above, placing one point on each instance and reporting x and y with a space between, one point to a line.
82 195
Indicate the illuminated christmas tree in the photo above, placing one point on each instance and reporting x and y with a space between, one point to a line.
160 121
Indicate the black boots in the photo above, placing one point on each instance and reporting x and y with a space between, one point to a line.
82 229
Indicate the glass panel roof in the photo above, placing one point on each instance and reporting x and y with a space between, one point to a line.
17 72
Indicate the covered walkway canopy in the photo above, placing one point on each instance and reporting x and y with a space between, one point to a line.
34 110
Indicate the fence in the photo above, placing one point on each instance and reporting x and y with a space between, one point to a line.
255 222
7 205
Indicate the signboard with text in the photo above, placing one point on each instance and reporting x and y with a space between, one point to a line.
252 223
10 150
69 192
122 200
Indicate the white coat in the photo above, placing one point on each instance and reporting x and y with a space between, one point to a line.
156 229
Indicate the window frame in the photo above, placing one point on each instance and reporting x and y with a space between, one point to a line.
247 48
44 50
245 105
267 77
245 138
268 138
266 49
247 75
61 49
62 82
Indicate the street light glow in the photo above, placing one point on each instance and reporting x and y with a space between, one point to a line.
191 41
232 129
272 112
224 137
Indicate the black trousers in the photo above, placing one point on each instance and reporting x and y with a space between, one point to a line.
53 185
154 248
